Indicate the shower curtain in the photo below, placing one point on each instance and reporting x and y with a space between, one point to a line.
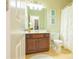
67 26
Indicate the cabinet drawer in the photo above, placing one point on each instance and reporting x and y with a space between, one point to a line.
27 36
38 36
46 35
34 36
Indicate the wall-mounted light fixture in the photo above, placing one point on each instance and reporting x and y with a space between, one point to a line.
35 6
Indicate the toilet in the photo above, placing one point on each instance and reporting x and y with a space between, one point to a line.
56 43
41 56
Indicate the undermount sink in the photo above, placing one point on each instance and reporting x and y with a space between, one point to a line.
36 31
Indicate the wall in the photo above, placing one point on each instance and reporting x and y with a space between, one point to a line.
53 4
8 55
17 17
15 39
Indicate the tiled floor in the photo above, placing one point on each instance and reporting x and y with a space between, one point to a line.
65 54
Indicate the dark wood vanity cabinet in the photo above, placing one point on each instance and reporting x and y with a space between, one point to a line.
37 42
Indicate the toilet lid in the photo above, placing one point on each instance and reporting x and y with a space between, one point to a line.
41 56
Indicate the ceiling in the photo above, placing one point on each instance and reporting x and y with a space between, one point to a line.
61 3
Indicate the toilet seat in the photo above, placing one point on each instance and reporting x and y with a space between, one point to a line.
58 42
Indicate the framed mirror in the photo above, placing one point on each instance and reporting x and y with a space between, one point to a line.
37 18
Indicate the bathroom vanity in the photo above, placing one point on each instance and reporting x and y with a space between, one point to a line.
36 42
38 39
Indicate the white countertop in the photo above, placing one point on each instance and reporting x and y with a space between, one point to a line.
26 32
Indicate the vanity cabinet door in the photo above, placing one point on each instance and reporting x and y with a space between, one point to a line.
30 45
43 44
